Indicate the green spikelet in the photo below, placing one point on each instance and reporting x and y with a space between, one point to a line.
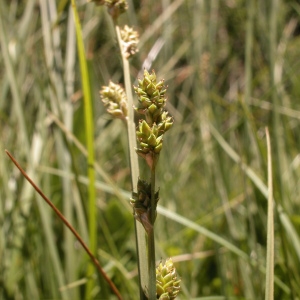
152 100
151 97
167 284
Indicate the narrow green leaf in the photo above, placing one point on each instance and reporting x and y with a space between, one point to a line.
89 127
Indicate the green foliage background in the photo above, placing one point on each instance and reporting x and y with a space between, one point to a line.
232 69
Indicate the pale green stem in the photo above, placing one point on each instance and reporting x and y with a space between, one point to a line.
269 290
151 241
134 167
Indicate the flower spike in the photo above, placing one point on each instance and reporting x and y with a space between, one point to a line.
167 284
151 97
152 100
114 98
130 39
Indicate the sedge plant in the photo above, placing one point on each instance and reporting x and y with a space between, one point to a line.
152 100
232 68
162 282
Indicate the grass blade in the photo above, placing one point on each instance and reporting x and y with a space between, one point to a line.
89 127
269 293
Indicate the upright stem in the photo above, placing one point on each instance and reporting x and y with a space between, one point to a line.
134 167
151 241
153 205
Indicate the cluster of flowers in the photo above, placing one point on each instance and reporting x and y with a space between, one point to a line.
152 100
167 283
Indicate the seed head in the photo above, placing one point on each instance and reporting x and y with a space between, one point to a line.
152 100
114 98
130 39
151 97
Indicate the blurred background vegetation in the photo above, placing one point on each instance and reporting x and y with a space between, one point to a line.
232 68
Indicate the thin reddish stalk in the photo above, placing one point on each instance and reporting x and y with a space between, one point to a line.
61 216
